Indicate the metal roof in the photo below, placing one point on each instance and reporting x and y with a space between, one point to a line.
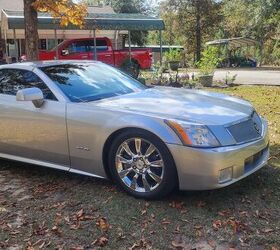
100 21
236 42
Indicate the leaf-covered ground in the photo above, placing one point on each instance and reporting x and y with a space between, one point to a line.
48 209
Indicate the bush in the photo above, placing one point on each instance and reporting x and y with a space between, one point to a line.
209 62
173 55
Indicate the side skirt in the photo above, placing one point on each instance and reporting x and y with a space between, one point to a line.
47 164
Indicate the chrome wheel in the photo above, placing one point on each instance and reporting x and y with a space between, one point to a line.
139 165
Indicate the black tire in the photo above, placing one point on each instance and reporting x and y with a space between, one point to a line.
169 179
131 68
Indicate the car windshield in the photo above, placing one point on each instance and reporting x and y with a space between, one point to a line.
86 82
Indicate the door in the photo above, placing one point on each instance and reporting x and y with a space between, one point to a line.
76 50
104 52
29 132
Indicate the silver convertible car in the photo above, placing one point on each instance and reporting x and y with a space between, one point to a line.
89 118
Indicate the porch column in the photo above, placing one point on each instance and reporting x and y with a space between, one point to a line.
95 49
160 41
56 43
129 44
16 44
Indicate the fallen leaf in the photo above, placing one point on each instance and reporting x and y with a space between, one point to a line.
201 204
80 213
77 248
177 204
103 224
101 241
217 224
179 243
56 230
268 230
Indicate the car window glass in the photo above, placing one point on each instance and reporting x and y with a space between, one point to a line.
91 81
101 45
77 47
12 80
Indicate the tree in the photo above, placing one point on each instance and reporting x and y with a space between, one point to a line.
147 7
64 10
258 19
196 21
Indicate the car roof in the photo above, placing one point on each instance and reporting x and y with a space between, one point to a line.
39 64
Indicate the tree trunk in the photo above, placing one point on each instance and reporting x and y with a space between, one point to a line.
198 31
261 48
31 31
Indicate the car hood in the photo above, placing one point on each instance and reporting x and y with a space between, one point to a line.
187 105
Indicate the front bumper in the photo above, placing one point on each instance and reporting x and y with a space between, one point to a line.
199 169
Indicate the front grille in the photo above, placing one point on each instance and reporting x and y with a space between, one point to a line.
248 130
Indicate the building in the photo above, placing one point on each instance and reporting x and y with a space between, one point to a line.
9 44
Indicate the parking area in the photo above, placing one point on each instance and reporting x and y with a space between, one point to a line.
251 76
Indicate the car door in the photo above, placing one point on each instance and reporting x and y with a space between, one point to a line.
26 131
104 52
76 50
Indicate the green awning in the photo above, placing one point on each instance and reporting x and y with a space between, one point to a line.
99 21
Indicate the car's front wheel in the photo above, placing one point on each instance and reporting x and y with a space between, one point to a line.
142 165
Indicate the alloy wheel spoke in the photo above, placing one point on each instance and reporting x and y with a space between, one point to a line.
123 160
156 164
145 183
125 172
150 150
155 177
127 149
138 143
133 184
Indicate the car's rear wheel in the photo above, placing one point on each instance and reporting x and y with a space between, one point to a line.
131 68
142 165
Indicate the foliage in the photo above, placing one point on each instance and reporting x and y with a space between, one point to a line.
209 61
66 10
133 6
190 23
173 55
259 19
230 79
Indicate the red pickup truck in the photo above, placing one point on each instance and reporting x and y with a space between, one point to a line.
83 49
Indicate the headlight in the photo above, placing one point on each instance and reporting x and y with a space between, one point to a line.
193 134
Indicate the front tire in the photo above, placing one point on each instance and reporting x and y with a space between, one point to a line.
142 165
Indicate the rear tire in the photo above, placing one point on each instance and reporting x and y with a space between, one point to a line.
131 68
147 171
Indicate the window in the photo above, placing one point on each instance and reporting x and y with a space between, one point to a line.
101 45
86 82
87 46
12 80
78 47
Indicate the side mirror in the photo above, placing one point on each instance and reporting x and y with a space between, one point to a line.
34 95
65 52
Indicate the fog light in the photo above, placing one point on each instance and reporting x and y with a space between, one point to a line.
225 175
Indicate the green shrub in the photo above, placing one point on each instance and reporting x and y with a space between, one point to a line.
173 55
209 61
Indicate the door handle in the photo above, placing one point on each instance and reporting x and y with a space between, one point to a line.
108 55
84 57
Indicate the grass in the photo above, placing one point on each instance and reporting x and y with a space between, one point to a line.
48 209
